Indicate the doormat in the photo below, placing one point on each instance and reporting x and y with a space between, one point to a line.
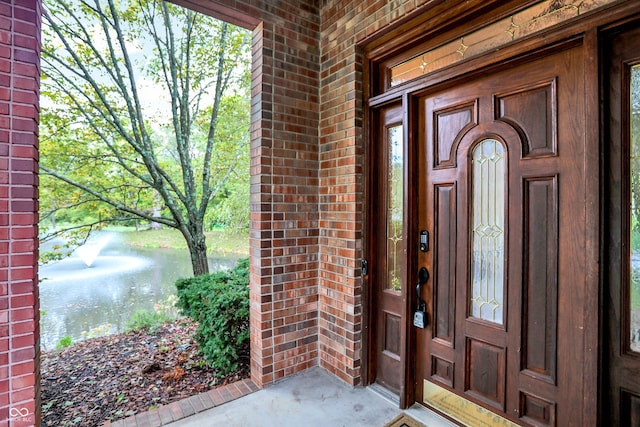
404 420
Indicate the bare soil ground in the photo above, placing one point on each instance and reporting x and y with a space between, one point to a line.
104 379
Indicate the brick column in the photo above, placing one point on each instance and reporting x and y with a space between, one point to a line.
19 308
261 216
284 202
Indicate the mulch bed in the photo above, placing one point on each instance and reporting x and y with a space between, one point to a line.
104 379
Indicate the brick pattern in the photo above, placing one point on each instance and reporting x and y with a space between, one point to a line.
341 186
284 217
19 109
175 411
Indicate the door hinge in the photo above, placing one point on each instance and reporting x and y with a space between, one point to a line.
365 267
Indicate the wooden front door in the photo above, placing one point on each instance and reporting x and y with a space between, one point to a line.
621 402
501 193
389 256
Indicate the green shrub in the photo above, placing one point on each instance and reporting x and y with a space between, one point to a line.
64 342
144 319
219 302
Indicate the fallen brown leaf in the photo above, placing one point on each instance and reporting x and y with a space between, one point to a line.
103 379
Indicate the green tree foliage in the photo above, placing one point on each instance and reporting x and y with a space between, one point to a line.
145 114
231 205
220 304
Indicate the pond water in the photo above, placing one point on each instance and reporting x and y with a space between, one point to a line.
80 301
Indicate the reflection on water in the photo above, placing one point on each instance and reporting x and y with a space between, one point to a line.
121 281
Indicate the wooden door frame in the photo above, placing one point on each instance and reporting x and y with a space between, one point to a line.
371 291
616 193
586 31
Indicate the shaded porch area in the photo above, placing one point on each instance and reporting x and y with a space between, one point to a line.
311 398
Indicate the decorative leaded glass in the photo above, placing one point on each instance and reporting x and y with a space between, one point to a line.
534 19
395 208
487 232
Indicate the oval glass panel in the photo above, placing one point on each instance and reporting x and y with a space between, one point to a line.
487 231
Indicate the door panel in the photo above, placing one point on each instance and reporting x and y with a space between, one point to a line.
390 266
540 246
622 255
444 269
501 189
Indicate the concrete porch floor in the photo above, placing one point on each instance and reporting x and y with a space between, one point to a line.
311 398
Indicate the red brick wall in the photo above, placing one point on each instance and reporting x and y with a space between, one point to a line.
19 330
344 24
284 299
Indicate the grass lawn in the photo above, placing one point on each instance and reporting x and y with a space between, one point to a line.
217 241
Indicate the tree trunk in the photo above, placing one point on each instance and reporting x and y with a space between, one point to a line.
157 210
198 252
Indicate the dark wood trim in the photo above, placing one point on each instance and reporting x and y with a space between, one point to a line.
619 366
572 29
433 19
602 162
406 391
485 64
411 106
439 31
623 17
408 216
367 136
593 170
369 363
380 38
220 12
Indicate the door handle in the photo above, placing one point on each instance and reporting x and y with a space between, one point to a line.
423 276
